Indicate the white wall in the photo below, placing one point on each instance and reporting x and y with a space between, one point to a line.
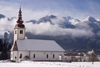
43 55
19 36
38 55
24 53
13 55
15 35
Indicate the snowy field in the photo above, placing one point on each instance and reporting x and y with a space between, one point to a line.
48 64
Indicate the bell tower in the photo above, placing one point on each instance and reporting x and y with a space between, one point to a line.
19 30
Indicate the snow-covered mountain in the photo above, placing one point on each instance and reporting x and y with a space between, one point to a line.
68 32
33 21
62 22
89 24
46 18
67 41
71 20
1 16
68 19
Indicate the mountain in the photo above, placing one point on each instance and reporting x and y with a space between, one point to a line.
33 21
66 25
90 18
79 44
45 19
54 20
12 18
89 24
1 16
71 20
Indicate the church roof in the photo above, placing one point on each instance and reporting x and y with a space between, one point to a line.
38 45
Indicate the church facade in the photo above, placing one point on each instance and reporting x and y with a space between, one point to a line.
33 49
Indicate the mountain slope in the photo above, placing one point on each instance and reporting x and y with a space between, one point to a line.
2 16
89 24
54 20
67 35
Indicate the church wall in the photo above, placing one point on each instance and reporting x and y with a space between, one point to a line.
24 53
15 35
14 55
21 36
43 55
38 55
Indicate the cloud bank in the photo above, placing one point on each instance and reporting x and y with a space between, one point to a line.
44 28
55 30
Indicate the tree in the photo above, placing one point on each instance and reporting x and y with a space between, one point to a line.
1 45
4 52
9 47
92 56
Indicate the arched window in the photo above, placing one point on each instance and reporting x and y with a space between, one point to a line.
47 55
21 31
33 55
53 56
20 55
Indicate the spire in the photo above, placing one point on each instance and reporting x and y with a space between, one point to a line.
20 21
20 16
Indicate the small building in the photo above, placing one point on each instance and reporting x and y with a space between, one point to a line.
33 49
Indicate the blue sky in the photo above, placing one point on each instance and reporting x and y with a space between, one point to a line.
35 9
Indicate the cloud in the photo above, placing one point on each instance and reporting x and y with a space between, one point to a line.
55 30
98 33
6 25
57 20
44 28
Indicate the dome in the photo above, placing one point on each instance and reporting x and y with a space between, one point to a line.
20 21
20 25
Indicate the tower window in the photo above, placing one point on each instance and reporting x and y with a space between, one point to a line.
33 55
21 31
15 31
47 55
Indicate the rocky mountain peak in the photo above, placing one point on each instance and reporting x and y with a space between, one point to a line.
90 18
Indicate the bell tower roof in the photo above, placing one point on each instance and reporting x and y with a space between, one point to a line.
19 21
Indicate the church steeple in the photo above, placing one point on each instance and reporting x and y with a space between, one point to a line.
19 21
20 17
19 30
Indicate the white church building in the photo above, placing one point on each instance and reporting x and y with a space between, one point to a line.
33 49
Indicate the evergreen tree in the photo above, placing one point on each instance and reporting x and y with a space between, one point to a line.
1 45
9 47
4 52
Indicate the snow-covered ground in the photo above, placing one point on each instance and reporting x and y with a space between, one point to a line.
48 64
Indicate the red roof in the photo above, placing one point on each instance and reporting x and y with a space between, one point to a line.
19 25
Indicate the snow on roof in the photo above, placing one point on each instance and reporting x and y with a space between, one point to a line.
38 45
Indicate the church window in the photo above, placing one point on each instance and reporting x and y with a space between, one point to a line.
21 31
47 55
33 55
53 56
20 55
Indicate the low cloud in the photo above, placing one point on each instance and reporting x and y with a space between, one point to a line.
98 33
43 29
55 30
6 25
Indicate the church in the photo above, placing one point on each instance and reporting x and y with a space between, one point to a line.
33 49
